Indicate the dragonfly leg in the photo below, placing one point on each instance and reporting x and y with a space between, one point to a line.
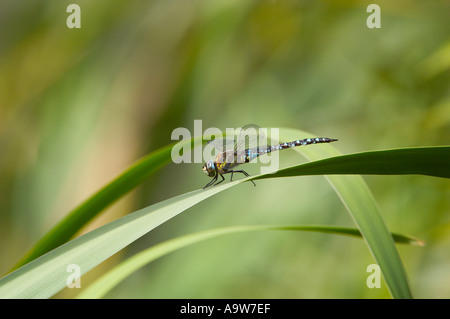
223 178
239 171
212 181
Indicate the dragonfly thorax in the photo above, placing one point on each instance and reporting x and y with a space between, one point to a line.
209 168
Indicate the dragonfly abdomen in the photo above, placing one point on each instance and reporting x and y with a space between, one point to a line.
305 141
252 154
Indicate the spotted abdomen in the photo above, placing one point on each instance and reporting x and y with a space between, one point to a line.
268 149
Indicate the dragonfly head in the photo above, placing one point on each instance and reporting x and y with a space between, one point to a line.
209 168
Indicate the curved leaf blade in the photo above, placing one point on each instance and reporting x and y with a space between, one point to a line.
360 204
89 243
64 230
46 275
431 161
112 278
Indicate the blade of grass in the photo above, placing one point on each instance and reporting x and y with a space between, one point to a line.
112 278
358 200
431 161
46 275
407 161
94 205
89 251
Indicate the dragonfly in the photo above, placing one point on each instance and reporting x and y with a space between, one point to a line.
232 153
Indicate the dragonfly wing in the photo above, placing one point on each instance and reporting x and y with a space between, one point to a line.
218 147
221 144
248 137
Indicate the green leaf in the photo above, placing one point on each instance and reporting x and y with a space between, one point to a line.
431 161
46 275
113 277
93 206
358 200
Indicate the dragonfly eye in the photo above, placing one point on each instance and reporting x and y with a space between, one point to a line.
209 169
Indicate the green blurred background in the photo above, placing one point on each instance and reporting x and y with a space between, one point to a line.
78 106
